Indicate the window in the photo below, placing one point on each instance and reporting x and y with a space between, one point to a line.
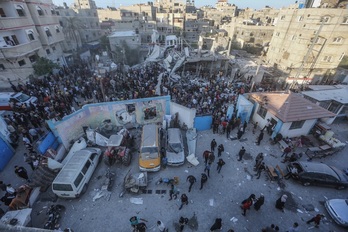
57 12
57 29
48 32
20 10
62 187
313 40
325 19
39 11
33 58
338 40
262 111
48 51
293 37
85 168
53 48
53 12
78 180
2 13
13 41
345 20
327 58
21 62
297 125
278 34
282 18
300 18
31 35
341 57
2 67
334 107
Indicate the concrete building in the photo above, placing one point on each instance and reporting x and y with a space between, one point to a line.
28 30
88 15
222 12
122 42
309 43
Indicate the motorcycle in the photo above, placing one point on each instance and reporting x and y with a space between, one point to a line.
109 180
54 212
168 181
133 183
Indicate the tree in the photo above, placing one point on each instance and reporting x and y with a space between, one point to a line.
44 66
72 27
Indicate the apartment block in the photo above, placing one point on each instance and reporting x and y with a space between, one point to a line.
28 30
309 43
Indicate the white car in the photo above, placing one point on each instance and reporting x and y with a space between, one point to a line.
338 210
175 147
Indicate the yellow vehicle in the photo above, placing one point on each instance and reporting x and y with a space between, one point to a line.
150 157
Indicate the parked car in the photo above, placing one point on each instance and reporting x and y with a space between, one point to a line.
310 173
17 98
338 210
175 147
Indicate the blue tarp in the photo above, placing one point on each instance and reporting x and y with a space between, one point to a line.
203 122
49 141
6 153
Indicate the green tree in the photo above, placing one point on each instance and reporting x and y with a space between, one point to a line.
44 66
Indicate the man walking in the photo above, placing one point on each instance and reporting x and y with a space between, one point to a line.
22 173
241 153
206 154
259 139
220 149
220 163
286 151
192 180
260 168
184 200
172 192
213 144
204 179
207 169
316 220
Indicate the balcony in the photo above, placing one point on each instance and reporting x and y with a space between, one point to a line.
9 23
19 50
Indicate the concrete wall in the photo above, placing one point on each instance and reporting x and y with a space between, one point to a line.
186 115
92 115
307 126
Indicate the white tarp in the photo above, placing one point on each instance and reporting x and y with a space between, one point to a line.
23 217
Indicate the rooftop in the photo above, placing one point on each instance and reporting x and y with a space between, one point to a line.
123 34
327 94
290 107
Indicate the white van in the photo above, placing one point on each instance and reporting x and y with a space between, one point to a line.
17 98
72 180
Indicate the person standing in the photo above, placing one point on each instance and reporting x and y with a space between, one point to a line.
22 173
259 202
316 220
184 200
29 160
247 203
192 180
204 179
228 130
172 192
220 163
207 169
217 225
255 127
258 160
240 133
294 228
259 139
161 227
241 153
245 124
280 203
206 154
213 144
261 168
211 158
220 149
286 151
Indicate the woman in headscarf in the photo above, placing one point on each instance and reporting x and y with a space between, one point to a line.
280 203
